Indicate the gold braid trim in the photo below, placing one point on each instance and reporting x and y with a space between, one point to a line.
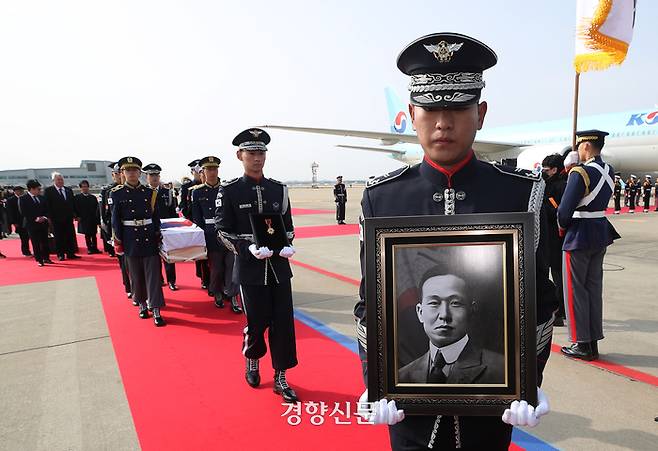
583 173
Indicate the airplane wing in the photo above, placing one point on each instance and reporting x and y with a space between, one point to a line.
373 149
388 138
486 147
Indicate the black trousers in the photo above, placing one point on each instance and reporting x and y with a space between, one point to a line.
25 239
646 201
125 273
555 261
64 236
170 271
39 236
91 242
221 273
270 306
107 247
617 203
340 211
145 280
202 271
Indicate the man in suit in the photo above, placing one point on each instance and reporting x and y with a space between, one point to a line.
86 208
445 310
34 210
16 219
59 199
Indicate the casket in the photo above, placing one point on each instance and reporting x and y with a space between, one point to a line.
182 241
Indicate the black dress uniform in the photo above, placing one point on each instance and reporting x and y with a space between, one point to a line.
86 209
588 234
340 197
646 193
166 209
185 207
220 259
16 218
616 193
470 187
264 284
631 193
106 222
136 227
31 208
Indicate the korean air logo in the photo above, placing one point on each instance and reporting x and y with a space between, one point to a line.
643 119
400 124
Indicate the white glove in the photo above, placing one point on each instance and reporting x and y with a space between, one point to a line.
261 252
287 252
383 412
520 413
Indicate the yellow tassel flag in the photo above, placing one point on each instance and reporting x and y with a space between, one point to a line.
604 29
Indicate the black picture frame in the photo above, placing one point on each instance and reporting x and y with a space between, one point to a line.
397 251
269 230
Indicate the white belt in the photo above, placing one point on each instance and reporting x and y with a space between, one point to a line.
137 222
210 221
588 214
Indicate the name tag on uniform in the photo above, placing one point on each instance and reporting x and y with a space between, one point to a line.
245 205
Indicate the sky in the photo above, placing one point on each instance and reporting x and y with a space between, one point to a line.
170 81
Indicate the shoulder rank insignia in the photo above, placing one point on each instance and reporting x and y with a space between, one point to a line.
386 177
230 182
517 172
117 188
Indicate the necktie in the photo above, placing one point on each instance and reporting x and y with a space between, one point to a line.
61 191
36 200
436 375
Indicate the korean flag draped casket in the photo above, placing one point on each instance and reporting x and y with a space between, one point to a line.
182 241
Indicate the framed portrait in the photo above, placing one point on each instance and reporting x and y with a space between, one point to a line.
451 312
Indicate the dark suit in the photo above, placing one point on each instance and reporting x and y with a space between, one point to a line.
473 366
38 232
16 219
86 208
62 214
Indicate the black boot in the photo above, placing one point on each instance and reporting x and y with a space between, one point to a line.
235 304
282 388
581 351
595 349
143 311
219 302
252 374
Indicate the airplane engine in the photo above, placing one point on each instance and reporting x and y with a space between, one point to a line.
532 156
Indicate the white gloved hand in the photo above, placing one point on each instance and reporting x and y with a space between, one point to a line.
260 252
287 252
520 413
382 412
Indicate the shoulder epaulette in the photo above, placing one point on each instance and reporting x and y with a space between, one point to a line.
386 177
192 188
230 182
277 182
117 188
517 172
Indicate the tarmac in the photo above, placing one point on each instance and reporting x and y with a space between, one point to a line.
60 386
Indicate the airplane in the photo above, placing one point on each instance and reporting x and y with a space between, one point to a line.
631 147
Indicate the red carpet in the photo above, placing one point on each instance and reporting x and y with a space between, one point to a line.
309 211
326 230
624 210
185 382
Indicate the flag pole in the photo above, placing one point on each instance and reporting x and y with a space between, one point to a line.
575 110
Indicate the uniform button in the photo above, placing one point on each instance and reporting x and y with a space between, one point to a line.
133 211
130 200
460 195
135 229
437 197
136 239
146 239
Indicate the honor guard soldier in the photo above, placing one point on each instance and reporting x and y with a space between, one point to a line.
184 195
655 192
106 223
631 193
166 209
446 82
617 192
646 192
588 233
220 258
264 275
136 234
340 197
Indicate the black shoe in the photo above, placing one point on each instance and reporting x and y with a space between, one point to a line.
135 303
581 351
282 388
49 261
235 304
595 349
40 264
73 257
27 255
129 295
211 294
172 286
94 251
559 321
252 375
204 286
219 302
158 321
61 258
144 314
112 254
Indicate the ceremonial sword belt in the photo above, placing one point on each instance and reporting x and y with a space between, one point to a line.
137 222
588 214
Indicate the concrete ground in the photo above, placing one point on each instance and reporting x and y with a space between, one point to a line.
60 387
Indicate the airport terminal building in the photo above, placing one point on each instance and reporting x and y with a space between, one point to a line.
96 172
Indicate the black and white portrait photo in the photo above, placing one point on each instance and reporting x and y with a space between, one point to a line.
450 313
